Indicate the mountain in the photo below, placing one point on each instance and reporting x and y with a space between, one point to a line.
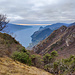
8 45
14 58
72 24
56 26
44 32
10 28
10 66
39 35
62 40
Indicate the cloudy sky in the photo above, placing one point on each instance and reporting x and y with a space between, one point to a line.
47 11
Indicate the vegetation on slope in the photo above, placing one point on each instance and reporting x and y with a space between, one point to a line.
10 67
9 47
49 62
62 40
59 67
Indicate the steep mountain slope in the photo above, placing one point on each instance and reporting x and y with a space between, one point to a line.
10 67
41 35
61 40
8 44
44 32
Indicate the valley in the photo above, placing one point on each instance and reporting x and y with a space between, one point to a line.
37 37
50 56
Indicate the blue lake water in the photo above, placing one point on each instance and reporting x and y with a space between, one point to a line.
24 36
21 33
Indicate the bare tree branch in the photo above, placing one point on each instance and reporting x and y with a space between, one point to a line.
3 21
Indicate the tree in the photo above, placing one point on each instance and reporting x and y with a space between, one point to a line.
3 21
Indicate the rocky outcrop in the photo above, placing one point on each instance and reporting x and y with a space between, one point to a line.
60 39
70 39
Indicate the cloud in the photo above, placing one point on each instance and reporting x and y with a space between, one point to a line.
39 10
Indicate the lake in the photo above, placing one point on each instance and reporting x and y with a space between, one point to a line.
24 36
21 33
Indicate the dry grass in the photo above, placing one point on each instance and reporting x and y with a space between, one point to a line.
8 45
10 67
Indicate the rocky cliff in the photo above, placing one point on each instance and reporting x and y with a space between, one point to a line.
61 40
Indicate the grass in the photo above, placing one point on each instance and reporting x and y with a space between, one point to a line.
8 45
10 67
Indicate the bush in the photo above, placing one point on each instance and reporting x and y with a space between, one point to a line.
37 61
54 53
22 57
46 58
23 49
55 67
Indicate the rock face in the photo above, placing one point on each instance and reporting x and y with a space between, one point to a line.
70 39
61 40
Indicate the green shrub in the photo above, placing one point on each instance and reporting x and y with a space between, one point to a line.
55 66
46 58
22 57
23 49
54 53
37 60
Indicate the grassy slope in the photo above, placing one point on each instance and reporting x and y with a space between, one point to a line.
8 45
10 67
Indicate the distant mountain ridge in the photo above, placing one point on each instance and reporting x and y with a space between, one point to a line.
38 36
13 27
72 24
45 32
62 40
56 26
41 35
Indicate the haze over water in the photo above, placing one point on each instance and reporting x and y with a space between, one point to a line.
24 36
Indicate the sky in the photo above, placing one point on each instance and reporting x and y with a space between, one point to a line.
38 11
